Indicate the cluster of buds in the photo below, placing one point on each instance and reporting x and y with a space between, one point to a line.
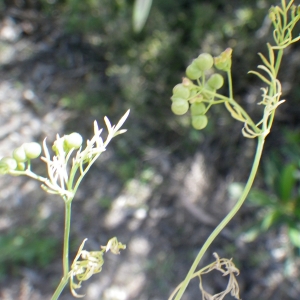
20 157
199 97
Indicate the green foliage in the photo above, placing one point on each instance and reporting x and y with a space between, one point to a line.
26 246
278 203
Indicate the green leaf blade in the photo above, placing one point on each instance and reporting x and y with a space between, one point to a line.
140 14
287 182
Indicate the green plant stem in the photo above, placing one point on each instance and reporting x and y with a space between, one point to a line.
230 84
227 219
66 266
278 60
277 65
232 102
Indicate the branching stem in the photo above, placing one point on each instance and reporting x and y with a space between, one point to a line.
226 220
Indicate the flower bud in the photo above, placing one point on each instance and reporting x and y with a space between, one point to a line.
187 82
21 166
223 61
59 146
199 98
272 15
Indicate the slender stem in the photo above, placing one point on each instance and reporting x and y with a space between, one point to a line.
230 84
66 267
278 61
60 288
84 172
232 102
235 104
277 65
227 219
67 236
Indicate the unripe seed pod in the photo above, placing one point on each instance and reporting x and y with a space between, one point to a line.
19 154
192 71
198 109
180 106
199 122
32 150
8 163
181 91
216 81
73 140
21 166
204 61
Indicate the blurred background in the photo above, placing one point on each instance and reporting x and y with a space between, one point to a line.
161 187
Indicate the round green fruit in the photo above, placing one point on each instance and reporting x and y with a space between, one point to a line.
21 166
32 150
216 81
19 154
197 109
192 71
204 61
180 106
199 122
7 164
73 140
181 91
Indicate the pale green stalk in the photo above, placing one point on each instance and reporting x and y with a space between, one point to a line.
65 279
239 203
226 220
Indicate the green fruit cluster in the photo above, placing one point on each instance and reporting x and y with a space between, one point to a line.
199 119
180 104
199 65
20 156
189 95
